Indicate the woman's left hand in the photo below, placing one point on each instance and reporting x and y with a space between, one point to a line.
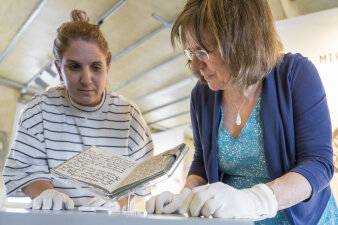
223 201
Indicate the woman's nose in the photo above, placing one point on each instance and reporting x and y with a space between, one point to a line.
86 77
196 64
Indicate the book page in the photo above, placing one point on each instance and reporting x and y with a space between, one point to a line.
97 167
149 167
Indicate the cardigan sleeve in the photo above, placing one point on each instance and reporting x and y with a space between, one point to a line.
312 126
197 165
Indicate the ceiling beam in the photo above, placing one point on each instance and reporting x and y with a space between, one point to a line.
169 117
167 104
41 83
184 82
165 23
290 9
23 29
36 76
136 44
17 85
51 72
145 38
160 128
157 128
139 76
116 7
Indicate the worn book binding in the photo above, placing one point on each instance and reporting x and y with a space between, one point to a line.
104 173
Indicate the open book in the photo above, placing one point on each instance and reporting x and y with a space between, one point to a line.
114 175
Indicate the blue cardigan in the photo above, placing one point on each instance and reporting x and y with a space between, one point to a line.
296 129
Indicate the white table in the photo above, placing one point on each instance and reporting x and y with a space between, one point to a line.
12 216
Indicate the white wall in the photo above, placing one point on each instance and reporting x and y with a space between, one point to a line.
164 141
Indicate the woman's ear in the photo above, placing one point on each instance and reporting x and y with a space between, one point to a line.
58 68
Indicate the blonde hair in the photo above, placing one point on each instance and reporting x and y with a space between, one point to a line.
243 30
79 28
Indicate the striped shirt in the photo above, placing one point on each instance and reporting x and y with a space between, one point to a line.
53 128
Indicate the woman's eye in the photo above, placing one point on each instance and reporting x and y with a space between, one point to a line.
73 67
96 68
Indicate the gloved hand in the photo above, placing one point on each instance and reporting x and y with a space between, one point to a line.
166 202
223 201
95 202
51 199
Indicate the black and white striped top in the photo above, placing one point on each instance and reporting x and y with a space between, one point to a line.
52 129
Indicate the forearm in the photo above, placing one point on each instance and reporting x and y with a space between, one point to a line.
194 181
290 189
36 187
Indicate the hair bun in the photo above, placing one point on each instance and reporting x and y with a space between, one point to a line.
79 15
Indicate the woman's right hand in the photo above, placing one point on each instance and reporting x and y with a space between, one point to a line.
166 202
52 200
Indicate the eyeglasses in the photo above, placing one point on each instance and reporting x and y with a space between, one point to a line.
202 55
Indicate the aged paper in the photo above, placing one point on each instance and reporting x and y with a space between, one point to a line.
97 167
148 168
114 174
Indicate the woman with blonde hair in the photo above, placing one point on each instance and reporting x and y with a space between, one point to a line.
260 121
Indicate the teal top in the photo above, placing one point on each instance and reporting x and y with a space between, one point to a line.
242 161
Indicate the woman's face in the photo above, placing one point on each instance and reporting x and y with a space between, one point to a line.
84 70
215 71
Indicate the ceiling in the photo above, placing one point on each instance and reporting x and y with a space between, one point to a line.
144 67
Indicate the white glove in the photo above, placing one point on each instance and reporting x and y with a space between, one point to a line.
51 199
166 202
99 202
223 201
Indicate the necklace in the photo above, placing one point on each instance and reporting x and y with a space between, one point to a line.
238 120
238 117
